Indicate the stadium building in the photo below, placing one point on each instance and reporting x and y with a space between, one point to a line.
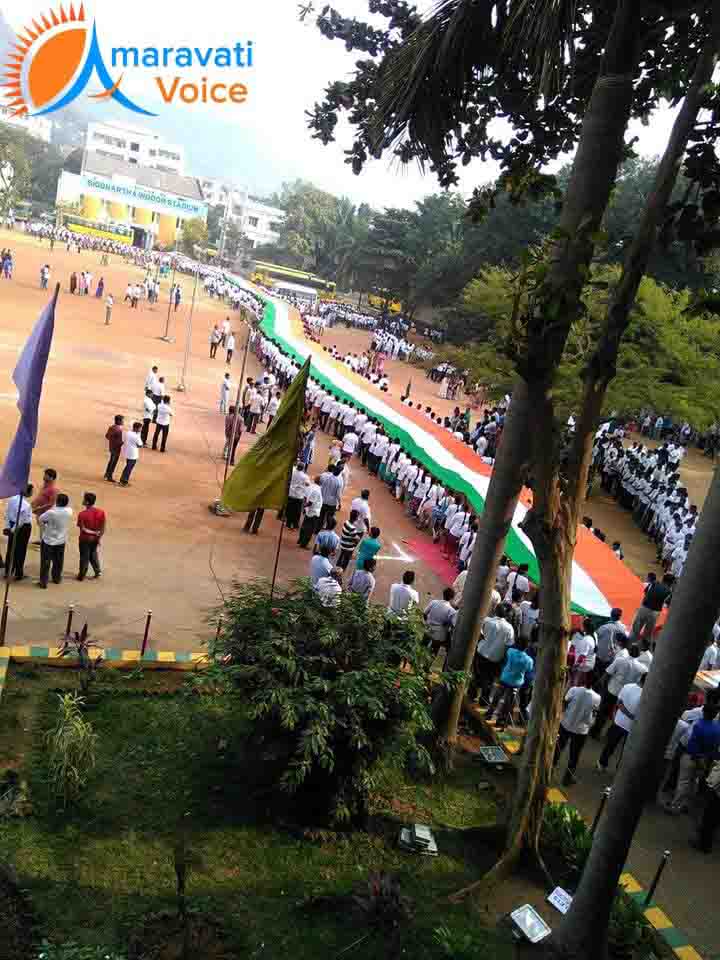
134 204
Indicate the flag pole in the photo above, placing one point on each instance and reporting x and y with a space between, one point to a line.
9 560
237 402
284 512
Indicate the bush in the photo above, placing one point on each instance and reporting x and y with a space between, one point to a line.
74 951
565 833
72 750
328 689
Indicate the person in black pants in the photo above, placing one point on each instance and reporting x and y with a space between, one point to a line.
162 426
18 530
54 523
114 437
710 818
252 524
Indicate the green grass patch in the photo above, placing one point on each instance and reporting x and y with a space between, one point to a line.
180 760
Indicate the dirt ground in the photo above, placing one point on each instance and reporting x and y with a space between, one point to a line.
163 550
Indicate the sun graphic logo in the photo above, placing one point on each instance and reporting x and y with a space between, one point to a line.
52 62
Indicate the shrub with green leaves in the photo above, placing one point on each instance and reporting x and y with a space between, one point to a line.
328 690
72 744
74 951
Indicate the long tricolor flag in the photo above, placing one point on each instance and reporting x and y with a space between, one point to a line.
262 476
28 377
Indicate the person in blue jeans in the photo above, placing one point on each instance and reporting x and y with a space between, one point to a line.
517 668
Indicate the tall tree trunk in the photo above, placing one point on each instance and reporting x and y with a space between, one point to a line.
583 930
505 485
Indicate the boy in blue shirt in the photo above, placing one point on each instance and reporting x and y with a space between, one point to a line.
518 667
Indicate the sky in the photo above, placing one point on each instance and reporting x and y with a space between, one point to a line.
265 141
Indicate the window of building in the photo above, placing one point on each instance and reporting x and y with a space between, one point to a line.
132 160
253 221
153 153
134 147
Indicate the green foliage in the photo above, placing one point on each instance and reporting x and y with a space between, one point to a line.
194 234
14 168
461 944
70 950
565 831
669 358
78 645
629 935
325 691
233 240
72 746
214 223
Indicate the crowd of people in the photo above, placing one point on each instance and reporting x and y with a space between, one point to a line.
646 481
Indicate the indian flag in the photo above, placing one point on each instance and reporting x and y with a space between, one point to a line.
600 581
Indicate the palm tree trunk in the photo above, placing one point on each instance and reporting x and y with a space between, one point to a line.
505 485
582 931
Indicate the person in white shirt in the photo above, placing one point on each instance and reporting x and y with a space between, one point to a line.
225 388
710 657
149 414
403 595
362 581
624 669
313 506
583 646
349 443
299 483
55 526
497 635
581 704
256 404
362 507
440 616
272 408
18 529
162 423
230 346
517 580
329 588
132 442
628 703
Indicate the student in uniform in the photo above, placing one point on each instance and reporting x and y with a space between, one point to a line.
162 425
131 445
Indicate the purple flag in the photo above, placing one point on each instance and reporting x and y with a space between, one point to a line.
28 377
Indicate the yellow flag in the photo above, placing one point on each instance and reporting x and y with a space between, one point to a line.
262 476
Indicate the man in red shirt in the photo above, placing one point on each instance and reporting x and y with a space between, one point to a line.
47 496
91 522
114 437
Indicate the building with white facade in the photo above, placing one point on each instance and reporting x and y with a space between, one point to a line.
136 146
38 127
258 221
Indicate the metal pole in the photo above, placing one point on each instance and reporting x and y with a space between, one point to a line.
166 335
182 387
237 403
656 879
8 574
277 555
68 625
146 634
603 800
